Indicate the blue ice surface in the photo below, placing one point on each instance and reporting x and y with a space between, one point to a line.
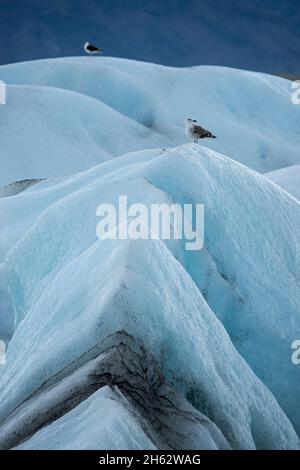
220 322
73 113
71 289
288 178
115 427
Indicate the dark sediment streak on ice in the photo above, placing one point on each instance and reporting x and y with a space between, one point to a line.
167 417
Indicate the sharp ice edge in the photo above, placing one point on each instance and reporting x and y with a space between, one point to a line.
119 361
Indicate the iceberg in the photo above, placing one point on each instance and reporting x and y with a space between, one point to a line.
133 344
73 113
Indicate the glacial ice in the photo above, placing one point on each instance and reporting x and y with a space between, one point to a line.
73 113
219 323
288 178
137 384
71 290
115 427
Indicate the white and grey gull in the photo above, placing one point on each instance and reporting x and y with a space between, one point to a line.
196 132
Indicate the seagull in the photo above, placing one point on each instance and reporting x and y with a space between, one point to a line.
195 132
90 49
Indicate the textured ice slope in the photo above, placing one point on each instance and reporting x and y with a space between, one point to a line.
54 131
135 382
114 427
70 290
199 343
288 178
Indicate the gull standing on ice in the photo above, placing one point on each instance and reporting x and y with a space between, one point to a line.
195 132
90 49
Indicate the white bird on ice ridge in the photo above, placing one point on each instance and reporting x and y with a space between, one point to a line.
90 49
195 132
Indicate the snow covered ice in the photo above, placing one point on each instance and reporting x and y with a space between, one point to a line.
209 332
